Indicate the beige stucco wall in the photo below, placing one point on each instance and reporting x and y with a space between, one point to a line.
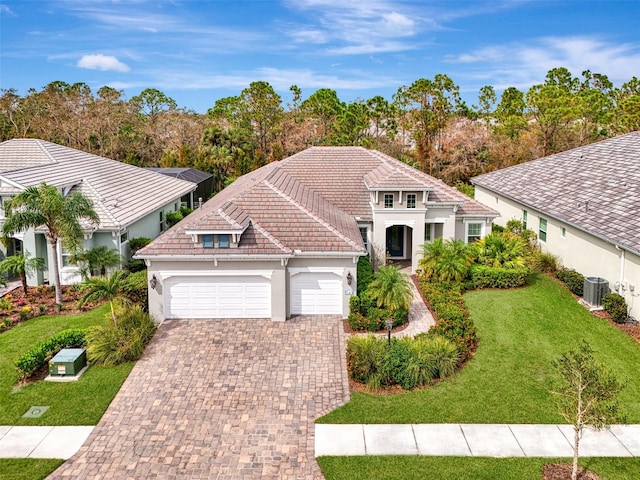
343 265
166 269
585 253
280 278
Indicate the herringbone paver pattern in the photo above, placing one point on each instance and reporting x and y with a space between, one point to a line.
221 399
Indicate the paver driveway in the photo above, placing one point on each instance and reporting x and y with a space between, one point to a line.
220 399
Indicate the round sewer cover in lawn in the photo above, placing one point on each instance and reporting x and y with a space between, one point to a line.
35 412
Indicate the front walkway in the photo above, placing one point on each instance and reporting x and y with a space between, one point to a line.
475 440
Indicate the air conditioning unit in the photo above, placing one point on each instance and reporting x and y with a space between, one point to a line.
594 289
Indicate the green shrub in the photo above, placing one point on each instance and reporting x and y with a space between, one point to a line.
135 266
544 262
483 276
135 289
359 323
137 243
123 341
38 356
354 304
5 304
615 305
363 358
495 228
572 279
408 362
365 273
173 217
400 316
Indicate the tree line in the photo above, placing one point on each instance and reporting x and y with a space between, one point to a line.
426 124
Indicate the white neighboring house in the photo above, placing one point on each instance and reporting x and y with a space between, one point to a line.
583 204
285 239
130 201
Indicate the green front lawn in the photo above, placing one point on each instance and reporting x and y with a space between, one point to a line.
27 468
74 403
469 468
507 381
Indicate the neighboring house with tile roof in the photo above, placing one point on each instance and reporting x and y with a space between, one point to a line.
130 201
204 180
583 206
285 239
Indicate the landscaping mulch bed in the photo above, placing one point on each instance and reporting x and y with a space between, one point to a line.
39 301
350 331
562 471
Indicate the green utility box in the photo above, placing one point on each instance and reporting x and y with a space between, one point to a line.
68 361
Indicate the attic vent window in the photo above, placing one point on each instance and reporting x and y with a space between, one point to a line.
207 240
223 241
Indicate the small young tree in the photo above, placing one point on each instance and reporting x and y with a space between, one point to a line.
105 288
21 264
586 394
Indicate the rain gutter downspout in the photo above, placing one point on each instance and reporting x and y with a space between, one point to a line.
622 259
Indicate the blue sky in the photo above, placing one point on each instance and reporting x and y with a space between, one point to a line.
199 51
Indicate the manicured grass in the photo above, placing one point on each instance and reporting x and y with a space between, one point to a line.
469 468
27 468
507 381
74 403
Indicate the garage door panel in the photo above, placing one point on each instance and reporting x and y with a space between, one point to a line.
316 293
221 297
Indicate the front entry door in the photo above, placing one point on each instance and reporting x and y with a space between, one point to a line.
395 241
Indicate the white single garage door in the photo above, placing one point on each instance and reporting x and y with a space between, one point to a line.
316 293
218 297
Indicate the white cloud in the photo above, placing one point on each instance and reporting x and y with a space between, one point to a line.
5 10
523 65
102 62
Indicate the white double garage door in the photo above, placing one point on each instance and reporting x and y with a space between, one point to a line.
310 293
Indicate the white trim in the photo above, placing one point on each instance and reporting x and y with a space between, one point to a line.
399 223
214 232
339 271
214 273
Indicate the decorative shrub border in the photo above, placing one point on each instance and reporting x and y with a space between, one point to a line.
38 356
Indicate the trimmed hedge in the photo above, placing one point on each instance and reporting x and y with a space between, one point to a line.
615 305
483 276
572 279
38 356
452 317
365 274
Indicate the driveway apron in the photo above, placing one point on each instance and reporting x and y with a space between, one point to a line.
220 399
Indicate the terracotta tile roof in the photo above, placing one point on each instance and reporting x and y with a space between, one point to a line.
307 203
122 194
595 188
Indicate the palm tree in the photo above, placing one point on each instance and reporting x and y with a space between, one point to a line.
45 206
390 288
98 259
446 261
21 264
501 250
104 288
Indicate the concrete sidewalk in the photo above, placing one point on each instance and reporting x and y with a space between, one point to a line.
42 442
481 440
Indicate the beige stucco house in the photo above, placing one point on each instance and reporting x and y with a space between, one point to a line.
285 239
583 206
130 201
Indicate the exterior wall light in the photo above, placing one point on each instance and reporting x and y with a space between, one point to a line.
349 278
153 282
